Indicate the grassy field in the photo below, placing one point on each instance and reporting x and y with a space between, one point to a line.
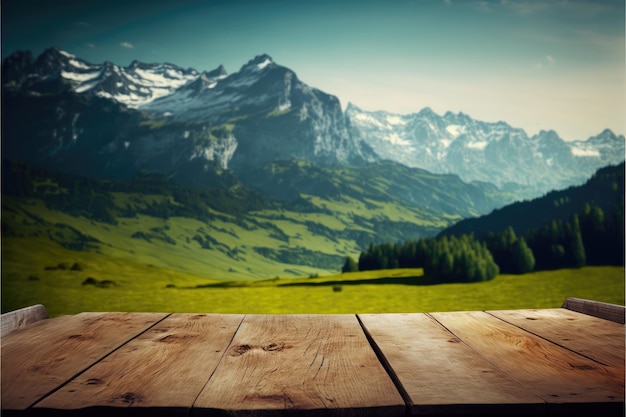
167 270
122 285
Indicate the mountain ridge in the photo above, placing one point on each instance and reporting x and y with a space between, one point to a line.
604 190
482 151
235 231
168 119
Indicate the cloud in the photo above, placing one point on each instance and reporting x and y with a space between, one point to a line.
90 45
84 24
547 62
127 45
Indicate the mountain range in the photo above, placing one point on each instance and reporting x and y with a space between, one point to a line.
484 151
246 175
108 121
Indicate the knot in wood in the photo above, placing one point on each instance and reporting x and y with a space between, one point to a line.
239 350
274 347
583 367
80 337
173 338
94 381
128 398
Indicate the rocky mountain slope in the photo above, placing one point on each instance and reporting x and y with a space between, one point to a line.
166 119
105 120
481 151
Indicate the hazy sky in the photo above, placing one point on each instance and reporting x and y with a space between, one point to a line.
550 64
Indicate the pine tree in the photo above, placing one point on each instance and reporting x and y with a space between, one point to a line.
577 248
350 265
523 258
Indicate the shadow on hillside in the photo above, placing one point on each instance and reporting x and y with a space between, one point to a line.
415 280
412 280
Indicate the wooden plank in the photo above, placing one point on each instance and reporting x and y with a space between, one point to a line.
595 338
313 364
161 371
22 317
558 376
612 312
441 375
41 357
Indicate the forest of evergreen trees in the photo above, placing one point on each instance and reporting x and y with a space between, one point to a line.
590 237
93 198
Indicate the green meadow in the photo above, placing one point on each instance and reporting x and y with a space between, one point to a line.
121 285
275 259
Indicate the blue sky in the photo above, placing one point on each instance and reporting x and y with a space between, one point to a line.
550 64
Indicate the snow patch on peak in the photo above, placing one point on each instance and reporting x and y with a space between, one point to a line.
258 63
66 54
80 77
284 106
477 145
395 120
364 117
171 78
396 139
585 152
264 64
79 65
455 130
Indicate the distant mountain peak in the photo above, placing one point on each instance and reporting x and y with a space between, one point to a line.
483 151
259 62
217 72
264 111
54 51
427 111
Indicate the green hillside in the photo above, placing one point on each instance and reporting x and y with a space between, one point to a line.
605 190
231 232
76 244
579 226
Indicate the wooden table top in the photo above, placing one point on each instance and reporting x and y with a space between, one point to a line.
520 362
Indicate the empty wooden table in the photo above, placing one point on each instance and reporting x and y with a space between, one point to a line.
519 362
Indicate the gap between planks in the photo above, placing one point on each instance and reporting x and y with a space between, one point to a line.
547 339
218 363
602 382
408 403
73 377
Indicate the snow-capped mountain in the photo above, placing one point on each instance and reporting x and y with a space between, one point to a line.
134 85
63 112
481 151
170 116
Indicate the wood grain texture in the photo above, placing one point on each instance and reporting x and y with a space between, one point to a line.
22 317
441 374
555 374
598 339
163 369
598 309
313 364
41 357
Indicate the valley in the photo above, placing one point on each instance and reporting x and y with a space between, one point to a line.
140 287
268 257
237 234
153 187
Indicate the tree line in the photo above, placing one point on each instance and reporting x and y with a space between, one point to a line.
589 237
448 258
93 198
